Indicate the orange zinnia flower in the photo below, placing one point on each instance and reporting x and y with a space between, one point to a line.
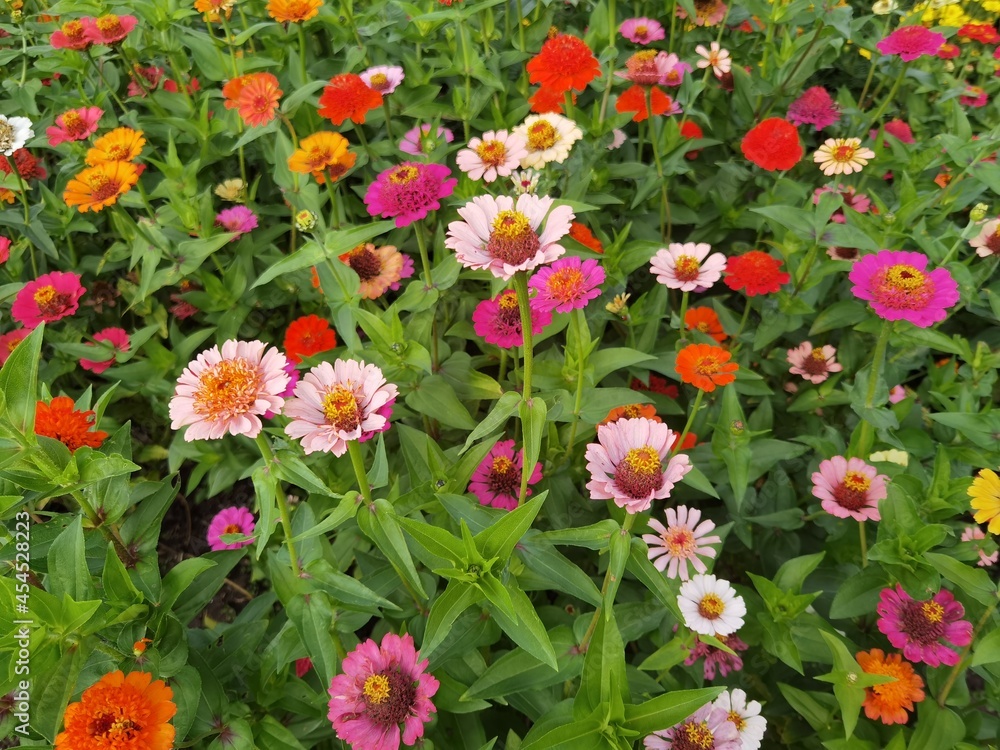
322 154
293 11
255 97
631 412
546 100
121 712
121 144
890 701
100 186
213 9
61 421
705 366
564 63
705 320
634 100
582 234
348 97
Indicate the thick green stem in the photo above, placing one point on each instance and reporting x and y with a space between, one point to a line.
524 305
286 517
807 265
684 307
334 209
654 140
579 320
520 25
690 421
963 661
354 450
303 51
626 529
867 435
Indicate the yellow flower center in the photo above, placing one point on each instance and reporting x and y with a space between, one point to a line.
699 735
686 268
641 30
711 607
508 302
738 720
857 482
905 277
933 611
109 24
403 175
103 187
72 121
818 355
632 411
566 284
6 136
232 529
118 152
511 225
707 366
704 327
492 153
376 689
644 461
542 136
379 81
45 295
679 542
502 464
340 407
227 389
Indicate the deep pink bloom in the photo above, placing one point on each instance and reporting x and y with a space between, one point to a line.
974 96
48 298
409 191
849 488
911 42
108 29
418 140
898 287
498 320
293 379
715 658
381 688
232 520
642 30
568 284
74 125
921 628
9 342
497 479
405 273
856 201
118 338
814 107
710 724
238 219
898 129
302 666
4 249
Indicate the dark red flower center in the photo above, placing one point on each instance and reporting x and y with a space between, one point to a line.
693 736
389 697
512 240
50 301
365 263
504 478
640 472
815 363
852 493
923 622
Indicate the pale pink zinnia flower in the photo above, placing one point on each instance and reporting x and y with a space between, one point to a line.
674 70
382 687
642 30
688 266
383 78
922 628
716 57
629 463
119 340
505 237
849 488
682 540
815 365
497 154
709 727
227 390
987 242
74 125
232 520
48 298
497 479
333 404
418 140
568 284
814 107
974 533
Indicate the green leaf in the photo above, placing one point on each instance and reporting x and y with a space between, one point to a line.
379 523
345 510
436 541
267 506
505 406
532 427
859 594
556 571
526 629
849 682
936 728
313 618
502 536
496 594
607 361
269 732
67 564
378 474
664 711
973 581
179 578
436 399
517 670
19 382
793 573
987 651
619 546
54 693
118 587
451 603
605 657
810 706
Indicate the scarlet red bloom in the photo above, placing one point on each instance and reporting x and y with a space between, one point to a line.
61 421
27 165
979 32
773 145
308 335
348 97
656 385
582 234
756 273
634 100
705 366
564 63
691 131
547 100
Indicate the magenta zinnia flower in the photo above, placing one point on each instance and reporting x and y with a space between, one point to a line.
708 728
293 380
227 390
849 488
118 338
381 688
497 479
911 42
498 320
715 658
920 628
814 107
232 520
815 365
418 140
642 30
568 284
48 298
333 404
238 219
687 266
629 463
682 540
74 125
9 342
409 192
898 287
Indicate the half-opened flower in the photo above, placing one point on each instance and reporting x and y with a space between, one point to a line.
119 341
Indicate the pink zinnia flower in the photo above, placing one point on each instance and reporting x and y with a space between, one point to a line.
381 688
815 365
118 338
497 479
855 201
715 658
333 404
383 78
505 237
409 192
898 287
419 141
293 379
568 284
911 42
814 107
232 520
974 533
629 463
152 75
921 628
688 266
48 298
108 29
71 35
674 70
709 728
898 129
238 219
9 342
682 540
302 666
498 320
227 390
74 125
497 154
974 96
987 242
4 249
642 30
714 57
651 68
849 488
896 394
405 272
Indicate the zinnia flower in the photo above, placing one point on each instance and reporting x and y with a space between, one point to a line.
985 495
419 141
979 32
682 540
232 190
233 520
409 191
121 144
890 701
293 11
120 711
715 57
898 129
691 131
629 464
74 125
306 336
706 320
333 404
814 107
238 219
852 200
745 715
842 156
14 133
60 420
377 267
506 237
921 628
974 96
773 145
708 728
688 266
705 366
227 390
526 181
974 533
898 286
145 79
213 9
382 686
632 411
911 42
582 234
9 342
711 606
383 78
4 249
642 30
119 340
348 97
755 272
568 284
108 29
324 155
25 163
707 12
849 488
497 154
95 188
50 297
550 137
257 101
497 479
634 100
563 63
715 658
815 365
498 320
71 35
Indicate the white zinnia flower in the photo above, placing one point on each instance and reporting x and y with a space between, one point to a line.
525 181
711 606
550 137
14 133
746 716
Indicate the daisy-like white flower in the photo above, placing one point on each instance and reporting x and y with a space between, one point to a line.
688 266
333 404
745 715
987 242
629 463
708 728
549 136
849 488
497 154
682 540
525 181
815 365
506 237
716 57
842 156
711 605
228 389
14 133
383 78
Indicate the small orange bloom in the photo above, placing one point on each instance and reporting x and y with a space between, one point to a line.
100 186
705 320
634 100
690 441
890 701
582 234
546 100
564 63
256 98
631 412
139 647
213 9
348 97
308 335
705 366
121 144
293 11
323 154
121 712
61 421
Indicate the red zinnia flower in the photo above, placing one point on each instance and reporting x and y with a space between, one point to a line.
979 32
61 421
308 335
948 51
691 131
547 100
656 385
348 97
773 145
634 100
27 165
756 273
564 63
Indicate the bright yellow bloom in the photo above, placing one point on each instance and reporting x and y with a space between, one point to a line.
985 494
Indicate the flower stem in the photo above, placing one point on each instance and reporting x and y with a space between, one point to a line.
302 54
626 529
524 305
864 544
354 450
690 421
364 141
286 517
654 140
107 86
520 25
684 307
962 662
424 257
334 208
806 268
888 98
580 321
867 435
743 323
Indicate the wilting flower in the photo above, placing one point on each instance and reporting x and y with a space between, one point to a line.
705 366
842 156
755 272
985 499
233 520
144 79
711 606
525 181
706 320
687 266
227 390
911 42
382 686
324 155
890 701
9 342
14 133
496 154
108 29
50 297
618 139
773 145
377 267
898 286
497 479
564 63
745 715
120 711
550 137
568 284
629 464
293 11
383 78
306 336
409 191
709 727
715 57
921 628
74 125
119 341
121 144
419 141
715 658
26 165
95 188
642 30
815 365
814 107
60 420
849 488
682 540
498 320
348 97
849 254
238 219
232 190
71 35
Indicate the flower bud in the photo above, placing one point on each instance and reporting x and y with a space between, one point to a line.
889 218
736 427
305 220
978 212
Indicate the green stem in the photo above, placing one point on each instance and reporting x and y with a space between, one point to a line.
963 660
612 23
23 195
503 366
684 307
806 268
654 140
743 323
867 435
626 529
520 25
354 450
286 517
579 320
107 86
871 68
889 97
334 208
364 141
425 262
864 544
690 421
388 115
302 54
521 286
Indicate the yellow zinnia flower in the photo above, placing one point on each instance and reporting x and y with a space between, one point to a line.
985 494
